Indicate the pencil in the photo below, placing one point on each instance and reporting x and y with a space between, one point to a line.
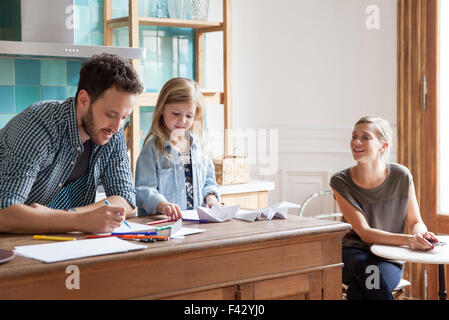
145 237
53 238
128 237
163 228
159 221
99 236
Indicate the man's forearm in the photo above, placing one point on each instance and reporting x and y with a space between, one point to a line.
21 218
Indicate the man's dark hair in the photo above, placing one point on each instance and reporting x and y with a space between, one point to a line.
104 71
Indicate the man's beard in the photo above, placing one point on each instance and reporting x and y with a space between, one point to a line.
88 124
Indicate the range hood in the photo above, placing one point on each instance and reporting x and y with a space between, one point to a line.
48 29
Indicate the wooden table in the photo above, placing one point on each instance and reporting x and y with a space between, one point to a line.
295 258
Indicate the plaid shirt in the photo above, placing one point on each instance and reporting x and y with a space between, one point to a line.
38 151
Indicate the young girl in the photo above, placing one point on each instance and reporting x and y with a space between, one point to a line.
173 173
377 198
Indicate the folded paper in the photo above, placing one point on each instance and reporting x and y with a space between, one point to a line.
217 213
277 210
178 231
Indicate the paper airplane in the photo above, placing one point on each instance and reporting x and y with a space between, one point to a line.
217 213
277 210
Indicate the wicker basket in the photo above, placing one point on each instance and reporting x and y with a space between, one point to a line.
231 170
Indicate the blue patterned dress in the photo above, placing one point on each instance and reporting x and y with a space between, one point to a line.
185 156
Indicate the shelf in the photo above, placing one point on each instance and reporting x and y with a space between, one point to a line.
205 26
210 98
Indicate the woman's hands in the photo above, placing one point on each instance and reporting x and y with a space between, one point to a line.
422 241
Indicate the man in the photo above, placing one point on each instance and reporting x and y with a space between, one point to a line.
54 154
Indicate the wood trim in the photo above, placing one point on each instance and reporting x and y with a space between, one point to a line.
113 23
199 57
133 23
227 73
133 26
204 26
107 15
212 29
431 121
442 223
437 223
179 23
213 97
147 99
430 198
411 116
150 98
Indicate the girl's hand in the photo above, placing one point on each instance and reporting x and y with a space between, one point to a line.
418 241
211 200
170 209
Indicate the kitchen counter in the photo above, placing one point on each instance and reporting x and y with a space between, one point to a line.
251 195
251 186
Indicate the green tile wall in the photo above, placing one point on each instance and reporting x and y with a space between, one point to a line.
146 117
24 81
89 22
170 53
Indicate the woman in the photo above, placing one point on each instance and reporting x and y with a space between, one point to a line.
377 198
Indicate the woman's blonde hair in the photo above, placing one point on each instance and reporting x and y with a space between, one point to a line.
384 133
176 90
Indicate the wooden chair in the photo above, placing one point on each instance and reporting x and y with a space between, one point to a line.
338 216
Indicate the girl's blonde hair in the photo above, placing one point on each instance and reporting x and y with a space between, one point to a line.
176 90
384 133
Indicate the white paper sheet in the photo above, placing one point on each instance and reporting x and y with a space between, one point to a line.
217 213
68 250
134 228
277 210
177 231
248 215
190 214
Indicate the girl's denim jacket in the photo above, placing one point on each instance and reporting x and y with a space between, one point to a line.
161 179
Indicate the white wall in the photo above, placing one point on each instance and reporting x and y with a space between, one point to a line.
308 69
